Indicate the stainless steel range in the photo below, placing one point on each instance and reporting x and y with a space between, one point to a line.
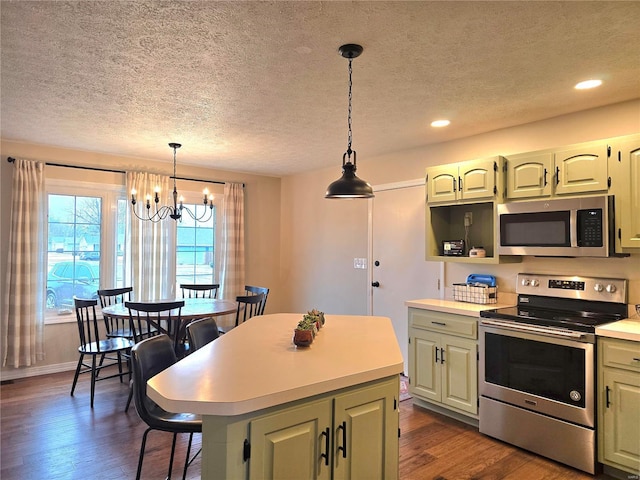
537 365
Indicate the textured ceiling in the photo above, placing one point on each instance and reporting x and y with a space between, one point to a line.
259 86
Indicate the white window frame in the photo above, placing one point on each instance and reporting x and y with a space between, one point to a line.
110 194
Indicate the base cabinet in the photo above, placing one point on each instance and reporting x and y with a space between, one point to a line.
443 367
619 404
349 434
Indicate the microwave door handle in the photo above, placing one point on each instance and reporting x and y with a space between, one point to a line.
573 228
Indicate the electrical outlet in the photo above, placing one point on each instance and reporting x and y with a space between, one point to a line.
468 219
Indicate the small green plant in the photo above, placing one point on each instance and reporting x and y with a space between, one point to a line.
318 314
307 323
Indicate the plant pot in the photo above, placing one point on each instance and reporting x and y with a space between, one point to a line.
302 338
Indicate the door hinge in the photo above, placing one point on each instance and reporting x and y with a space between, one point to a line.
438 284
478 403
478 356
395 403
398 432
246 450
495 190
495 167
619 156
609 182
608 151
619 234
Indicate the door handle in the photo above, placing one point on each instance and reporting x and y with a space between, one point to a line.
442 356
545 178
327 434
343 447
375 284
607 400
557 176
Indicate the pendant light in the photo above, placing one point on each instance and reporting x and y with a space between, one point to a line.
349 185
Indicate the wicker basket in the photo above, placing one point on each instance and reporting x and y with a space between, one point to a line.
463 292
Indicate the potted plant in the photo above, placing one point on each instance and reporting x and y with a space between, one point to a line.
303 334
319 317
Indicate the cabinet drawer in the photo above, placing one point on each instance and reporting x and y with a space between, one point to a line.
444 322
620 354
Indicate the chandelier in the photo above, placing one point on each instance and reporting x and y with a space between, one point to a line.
349 185
175 212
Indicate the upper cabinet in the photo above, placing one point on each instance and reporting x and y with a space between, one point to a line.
465 182
579 169
624 167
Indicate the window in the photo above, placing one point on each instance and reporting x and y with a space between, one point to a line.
196 260
83 253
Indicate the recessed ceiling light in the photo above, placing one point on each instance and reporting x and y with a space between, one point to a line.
440 123
588 84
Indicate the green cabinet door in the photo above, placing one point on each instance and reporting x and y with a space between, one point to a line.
621 420
365 430
442 184
629 198
459 373
582 169
478 179
529 175
292 444
424 371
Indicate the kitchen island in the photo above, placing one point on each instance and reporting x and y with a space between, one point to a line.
273 410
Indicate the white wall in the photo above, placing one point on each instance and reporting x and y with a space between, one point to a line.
321 237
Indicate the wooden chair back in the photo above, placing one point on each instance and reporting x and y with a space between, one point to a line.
148 319
254 290
248 306
200 290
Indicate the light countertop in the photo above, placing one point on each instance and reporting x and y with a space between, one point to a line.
627 329
256 365
452 306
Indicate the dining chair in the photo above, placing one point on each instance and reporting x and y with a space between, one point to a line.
253 290
148 358
115 326
148 319
248 306
200 290
91 343
200 332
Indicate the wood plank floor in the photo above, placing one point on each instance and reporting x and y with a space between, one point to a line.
48 435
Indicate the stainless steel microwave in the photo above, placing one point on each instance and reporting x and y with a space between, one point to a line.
568 227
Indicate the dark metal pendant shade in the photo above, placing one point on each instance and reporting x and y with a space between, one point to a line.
349 185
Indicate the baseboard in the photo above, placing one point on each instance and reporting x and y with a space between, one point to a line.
473 421
16 373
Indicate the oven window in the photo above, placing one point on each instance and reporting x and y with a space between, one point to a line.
544 229
551 371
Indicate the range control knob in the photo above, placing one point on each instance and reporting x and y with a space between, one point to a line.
525 282
535 283
611 288
598 287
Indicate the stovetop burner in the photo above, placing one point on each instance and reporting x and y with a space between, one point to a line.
568 302
576 320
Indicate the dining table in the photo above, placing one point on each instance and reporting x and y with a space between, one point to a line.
194 308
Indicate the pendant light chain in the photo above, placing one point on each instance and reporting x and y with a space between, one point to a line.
349 139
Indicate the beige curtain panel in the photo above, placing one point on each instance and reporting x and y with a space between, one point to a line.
23 309
150 268
232 269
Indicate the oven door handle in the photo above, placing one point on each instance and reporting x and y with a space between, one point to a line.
519 327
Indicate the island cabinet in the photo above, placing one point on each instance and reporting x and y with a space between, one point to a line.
443 359
347 436
574 170
466 181
619 404
271 410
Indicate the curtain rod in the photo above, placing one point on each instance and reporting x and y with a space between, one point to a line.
12 160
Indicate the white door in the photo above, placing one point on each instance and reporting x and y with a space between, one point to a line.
396 255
